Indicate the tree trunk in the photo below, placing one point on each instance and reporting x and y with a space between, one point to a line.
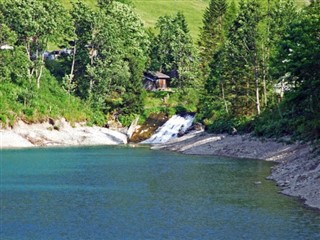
30 70
40 72
257 96
257 83
72 65
223 97
41 63
265 74
73 60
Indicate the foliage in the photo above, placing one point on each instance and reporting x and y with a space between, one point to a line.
244 55
105 67
83 19
116 72
242 51
231 125
212 33
32 105
267 46
7 36
172 42
298 58
13 65
28 26
232 85
35 22
173 51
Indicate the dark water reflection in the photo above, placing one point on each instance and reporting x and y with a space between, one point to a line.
135 193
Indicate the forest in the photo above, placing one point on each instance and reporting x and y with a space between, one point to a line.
255 66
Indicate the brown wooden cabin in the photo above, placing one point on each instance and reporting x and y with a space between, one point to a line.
155 81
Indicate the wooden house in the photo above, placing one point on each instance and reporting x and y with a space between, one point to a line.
155 81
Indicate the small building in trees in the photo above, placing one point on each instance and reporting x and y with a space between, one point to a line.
55 54
156 81
6 47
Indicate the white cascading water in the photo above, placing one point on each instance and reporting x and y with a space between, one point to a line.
170 129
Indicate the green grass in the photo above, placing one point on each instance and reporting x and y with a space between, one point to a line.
151 10
36 105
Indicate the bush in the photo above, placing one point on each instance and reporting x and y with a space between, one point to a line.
291 118
230 125
24 101
126 120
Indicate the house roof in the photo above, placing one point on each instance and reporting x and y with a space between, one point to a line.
158 75
150 78
161 75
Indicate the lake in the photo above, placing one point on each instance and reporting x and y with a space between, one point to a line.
136 193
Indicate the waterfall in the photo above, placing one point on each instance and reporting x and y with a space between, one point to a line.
171 129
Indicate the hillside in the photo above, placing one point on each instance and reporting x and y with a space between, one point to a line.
151 10
193 10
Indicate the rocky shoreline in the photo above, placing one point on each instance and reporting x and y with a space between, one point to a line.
297 171
58 133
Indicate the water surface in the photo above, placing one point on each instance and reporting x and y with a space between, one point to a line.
136 193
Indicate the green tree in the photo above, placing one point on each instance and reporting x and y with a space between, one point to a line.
173 51
298 59
116 73
13 63
231 14
278 17
83 19
212 33
7 36
243 56
36 22
217 20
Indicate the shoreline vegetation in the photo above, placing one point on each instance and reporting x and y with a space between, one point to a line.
296 172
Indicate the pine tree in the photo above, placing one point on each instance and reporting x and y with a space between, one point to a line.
212 32
243 57
231 15
216 23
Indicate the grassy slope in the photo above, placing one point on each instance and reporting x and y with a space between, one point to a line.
151 10
34 105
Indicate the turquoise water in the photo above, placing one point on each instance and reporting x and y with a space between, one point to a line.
136 193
